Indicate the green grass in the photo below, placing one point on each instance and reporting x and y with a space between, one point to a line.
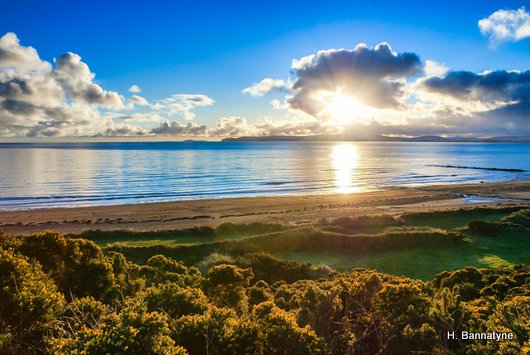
225 231
418 245
511 246
420 263
494 261
456 219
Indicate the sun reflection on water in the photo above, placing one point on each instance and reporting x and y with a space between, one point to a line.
345 159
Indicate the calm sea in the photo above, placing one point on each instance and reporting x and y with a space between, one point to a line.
54 175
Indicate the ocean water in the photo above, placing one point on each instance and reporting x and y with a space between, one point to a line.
87 174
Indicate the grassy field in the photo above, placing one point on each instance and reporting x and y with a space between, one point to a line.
508 247
225 231
422 263
418 245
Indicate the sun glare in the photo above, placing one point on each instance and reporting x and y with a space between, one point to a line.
345 109
344 158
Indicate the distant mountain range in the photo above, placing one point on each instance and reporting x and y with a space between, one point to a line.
375 138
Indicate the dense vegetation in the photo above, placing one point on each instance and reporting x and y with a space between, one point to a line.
68 295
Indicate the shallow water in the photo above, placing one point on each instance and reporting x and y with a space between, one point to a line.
66 174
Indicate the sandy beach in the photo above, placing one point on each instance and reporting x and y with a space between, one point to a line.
294 210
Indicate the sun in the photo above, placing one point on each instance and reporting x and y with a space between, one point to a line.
344 109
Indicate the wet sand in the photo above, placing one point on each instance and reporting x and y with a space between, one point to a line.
294 210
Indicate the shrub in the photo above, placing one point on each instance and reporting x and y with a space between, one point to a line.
29 303
132 330
71 263
174 300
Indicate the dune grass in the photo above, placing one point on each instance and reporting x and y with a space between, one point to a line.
418 245
224 231
505 243
458 218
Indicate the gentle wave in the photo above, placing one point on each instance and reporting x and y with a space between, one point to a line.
88 174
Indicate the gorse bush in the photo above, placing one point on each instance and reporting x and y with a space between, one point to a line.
77 266
67 295
29 303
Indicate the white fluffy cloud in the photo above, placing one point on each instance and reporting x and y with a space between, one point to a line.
37 99
135 89
506 25
265 86
41 99
121 130
231 127
77 79
183 104
12 54
175 128
141 117
138 100
432 68
268 127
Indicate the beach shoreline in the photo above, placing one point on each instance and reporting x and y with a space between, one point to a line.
291 210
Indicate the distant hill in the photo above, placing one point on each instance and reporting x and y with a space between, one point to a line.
373 138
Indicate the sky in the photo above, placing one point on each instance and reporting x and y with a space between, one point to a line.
209 70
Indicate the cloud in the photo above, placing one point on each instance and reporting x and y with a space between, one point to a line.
135 89
175 128
138 100
279 105
39 90
506 25
417 99
60 99
268 127
12 54
37 99
231 127
141 117
41 99
182 104
61 121
122 130
235 126
499 85
432 68
375 77
265 86
77 79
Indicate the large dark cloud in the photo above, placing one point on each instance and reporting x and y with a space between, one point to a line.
373 76
499 85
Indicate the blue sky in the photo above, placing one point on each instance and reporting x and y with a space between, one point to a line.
219 48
